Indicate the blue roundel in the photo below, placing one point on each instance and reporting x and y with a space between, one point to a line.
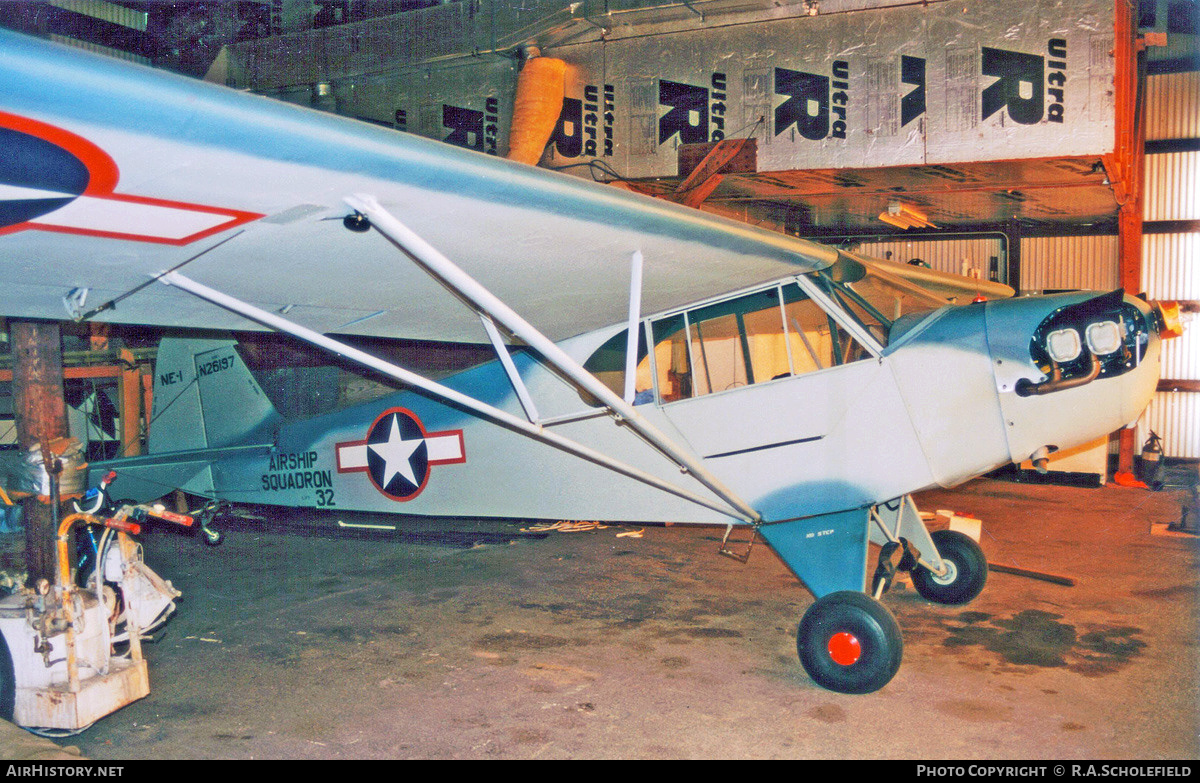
396 484
30 162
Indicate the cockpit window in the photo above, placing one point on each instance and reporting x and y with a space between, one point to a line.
737 343
858 306
608 365
673 378
767 335
818 341
764 336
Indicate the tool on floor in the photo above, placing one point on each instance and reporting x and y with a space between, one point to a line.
71 653
969 525
1001 568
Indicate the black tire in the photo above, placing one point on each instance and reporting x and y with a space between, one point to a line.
968 570
8 682
850 643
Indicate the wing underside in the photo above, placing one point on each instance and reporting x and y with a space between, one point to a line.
248 195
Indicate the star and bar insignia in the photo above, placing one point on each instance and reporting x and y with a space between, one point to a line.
398 453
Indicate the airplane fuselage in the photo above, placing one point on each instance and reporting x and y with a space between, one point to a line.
938 405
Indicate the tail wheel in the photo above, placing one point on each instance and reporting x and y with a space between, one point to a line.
850 643
205 517
966 570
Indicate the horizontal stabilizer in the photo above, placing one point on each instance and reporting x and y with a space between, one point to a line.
151 476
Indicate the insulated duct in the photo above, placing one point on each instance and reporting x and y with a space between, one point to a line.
538 103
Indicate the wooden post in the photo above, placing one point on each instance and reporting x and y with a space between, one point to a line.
41 415
131 406
1126 169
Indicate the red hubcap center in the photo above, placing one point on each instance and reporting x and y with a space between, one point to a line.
844 648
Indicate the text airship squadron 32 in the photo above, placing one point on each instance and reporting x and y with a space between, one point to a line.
653 363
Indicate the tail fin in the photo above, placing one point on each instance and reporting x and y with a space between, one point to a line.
204 397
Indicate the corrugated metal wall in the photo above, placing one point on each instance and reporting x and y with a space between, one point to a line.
106 12
1171 261
1069 263
956 255
1174 417
1171 106
1169 268
1172 186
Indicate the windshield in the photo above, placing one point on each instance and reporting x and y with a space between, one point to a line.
875 299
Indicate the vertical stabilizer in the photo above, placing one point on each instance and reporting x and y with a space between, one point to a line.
204 397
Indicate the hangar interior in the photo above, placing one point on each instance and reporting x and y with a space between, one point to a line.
1046 146
1011 201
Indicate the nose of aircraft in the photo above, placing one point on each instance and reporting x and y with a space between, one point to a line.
1070 368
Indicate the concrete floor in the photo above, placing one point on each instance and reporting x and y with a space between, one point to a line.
586 645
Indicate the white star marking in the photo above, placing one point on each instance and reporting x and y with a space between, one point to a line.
397 454
21 193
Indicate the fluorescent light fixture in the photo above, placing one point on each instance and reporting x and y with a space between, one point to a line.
904 216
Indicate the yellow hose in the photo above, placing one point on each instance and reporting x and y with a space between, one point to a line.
540 89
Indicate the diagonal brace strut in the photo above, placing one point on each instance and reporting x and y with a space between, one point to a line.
414 380
485 302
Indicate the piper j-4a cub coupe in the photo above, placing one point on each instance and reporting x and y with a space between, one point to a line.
654 363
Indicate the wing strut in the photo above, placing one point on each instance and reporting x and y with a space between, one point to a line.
635 314
444 392
484 301
510 368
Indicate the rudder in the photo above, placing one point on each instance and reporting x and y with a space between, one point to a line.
204 397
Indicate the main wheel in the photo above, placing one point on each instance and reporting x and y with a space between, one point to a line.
850 643
966 571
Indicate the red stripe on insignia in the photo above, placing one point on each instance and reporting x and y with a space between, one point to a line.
103 175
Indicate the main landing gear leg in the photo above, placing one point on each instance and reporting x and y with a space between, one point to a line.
848 641
948 567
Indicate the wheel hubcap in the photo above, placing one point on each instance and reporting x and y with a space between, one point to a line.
844 648
950 575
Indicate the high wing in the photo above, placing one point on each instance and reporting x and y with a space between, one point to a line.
113 173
